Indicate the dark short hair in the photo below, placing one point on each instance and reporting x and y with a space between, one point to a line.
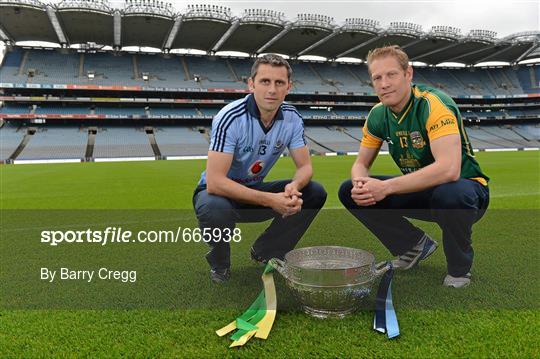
272 60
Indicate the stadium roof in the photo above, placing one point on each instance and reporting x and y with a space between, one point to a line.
151 23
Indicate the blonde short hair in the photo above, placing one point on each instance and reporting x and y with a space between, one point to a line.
390 50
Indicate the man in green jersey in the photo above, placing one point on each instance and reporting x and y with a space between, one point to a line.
441 181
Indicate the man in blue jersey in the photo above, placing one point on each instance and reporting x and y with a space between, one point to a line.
248 137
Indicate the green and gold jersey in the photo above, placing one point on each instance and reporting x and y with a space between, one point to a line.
429 114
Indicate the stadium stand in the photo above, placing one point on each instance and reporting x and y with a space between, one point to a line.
52 109
16 109
180 141
161 104
51 66
110 69
212 72
122 142
54 142
164 71
10 138
64 67
333 138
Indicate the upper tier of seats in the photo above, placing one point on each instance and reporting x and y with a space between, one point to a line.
24 66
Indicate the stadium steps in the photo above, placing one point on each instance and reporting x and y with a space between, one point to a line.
81 65
231 69
424 80
316 73
203 131
493 81
153 143
23 63
27 136
319 145
187 75
344 131
136 72
461 83
514 82
502 140
519 134
89 153
526 131
352 74
532 75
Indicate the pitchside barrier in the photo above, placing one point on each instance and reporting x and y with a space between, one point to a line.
203 157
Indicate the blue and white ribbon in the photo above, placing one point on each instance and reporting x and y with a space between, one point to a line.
385 320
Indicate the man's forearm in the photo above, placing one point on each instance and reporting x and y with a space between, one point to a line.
228 188
303 176
359 170
427 177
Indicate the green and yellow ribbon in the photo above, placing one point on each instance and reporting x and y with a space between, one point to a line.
258 319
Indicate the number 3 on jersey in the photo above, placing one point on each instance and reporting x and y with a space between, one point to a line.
262 150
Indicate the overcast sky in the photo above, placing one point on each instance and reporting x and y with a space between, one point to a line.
504 17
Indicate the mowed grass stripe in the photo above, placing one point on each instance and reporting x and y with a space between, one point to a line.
170 184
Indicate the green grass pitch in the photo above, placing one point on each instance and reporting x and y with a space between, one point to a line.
173 309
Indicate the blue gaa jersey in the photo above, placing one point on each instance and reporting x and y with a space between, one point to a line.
238 129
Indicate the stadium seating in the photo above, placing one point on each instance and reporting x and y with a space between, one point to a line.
10 67
55 142
212 72
15 109
174 71
180 141
122 142
164 72
110 69
10 138
332 138
307 80
209 111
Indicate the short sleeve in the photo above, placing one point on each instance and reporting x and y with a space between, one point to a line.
441 122
224 134
371 138
298 139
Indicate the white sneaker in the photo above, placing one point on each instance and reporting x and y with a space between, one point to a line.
423 249
457 282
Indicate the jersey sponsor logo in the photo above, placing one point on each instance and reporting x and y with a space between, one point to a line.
417 140
247 149
448 121
442 123
256 168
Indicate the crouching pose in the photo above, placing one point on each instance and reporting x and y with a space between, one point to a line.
441 182
248 137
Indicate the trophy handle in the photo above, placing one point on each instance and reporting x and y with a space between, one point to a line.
279 265
382 267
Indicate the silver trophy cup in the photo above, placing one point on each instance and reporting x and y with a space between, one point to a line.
329 281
